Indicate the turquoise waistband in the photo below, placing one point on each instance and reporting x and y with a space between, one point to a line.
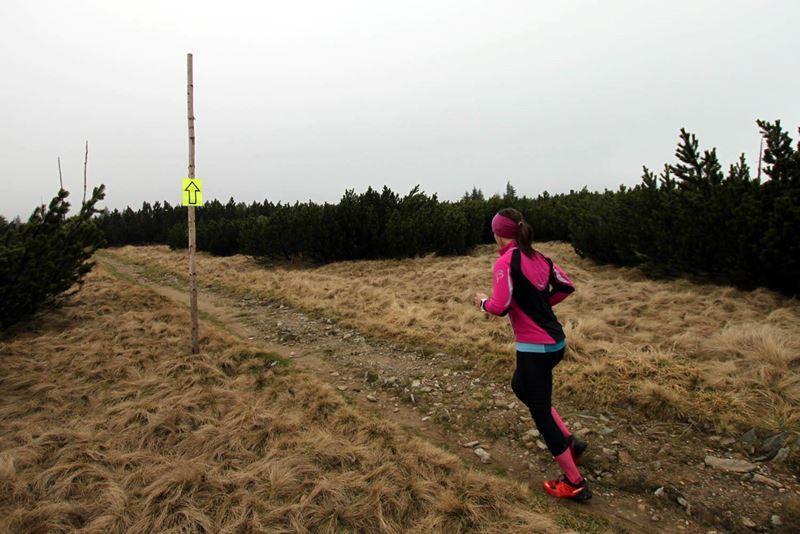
540 348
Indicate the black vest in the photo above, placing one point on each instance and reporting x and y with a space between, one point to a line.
533 302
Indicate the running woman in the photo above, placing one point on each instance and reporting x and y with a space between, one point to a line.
526 286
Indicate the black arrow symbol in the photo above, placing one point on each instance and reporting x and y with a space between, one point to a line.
192 189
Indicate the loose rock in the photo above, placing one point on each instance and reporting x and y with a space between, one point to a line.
530 435
766 480
750 437
731 465
782 454
746 521
483 455
775 442
471 444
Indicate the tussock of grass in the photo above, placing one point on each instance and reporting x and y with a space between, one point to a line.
704 353
108 424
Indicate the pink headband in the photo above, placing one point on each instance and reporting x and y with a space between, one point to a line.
505 226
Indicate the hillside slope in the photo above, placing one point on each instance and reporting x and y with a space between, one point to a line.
108 424
706 354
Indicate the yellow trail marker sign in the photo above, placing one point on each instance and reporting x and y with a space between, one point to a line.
192 192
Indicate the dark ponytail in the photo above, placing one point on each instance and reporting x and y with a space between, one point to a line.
525 234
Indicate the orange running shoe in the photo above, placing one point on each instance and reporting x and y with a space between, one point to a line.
564 489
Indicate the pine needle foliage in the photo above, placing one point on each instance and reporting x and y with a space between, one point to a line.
41 259
691 218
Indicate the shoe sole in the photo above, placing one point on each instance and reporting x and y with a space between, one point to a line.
583 496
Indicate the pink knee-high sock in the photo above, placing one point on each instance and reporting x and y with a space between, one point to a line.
567 465
560 423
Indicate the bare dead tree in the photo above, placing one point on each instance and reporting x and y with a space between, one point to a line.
85 161
760 153
60 179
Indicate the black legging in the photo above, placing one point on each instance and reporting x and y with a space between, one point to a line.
533 385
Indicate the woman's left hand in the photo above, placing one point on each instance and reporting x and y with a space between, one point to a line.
476 300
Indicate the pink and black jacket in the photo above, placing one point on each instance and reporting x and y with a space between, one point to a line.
526 289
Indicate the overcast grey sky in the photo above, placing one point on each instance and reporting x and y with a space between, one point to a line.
300 100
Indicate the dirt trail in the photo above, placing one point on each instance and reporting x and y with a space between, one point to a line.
439 397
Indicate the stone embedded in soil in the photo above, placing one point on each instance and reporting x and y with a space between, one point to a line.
674 494
483 455
656 465
341 388
746 521
782 454
775 442
766 480
415 383
541 445
372 398
775 520
471 444
530 434
750 437
731 465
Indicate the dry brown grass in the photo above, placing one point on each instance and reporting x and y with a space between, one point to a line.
108 425
697 352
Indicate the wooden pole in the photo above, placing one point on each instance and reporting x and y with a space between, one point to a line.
85 161
60 179
192 236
